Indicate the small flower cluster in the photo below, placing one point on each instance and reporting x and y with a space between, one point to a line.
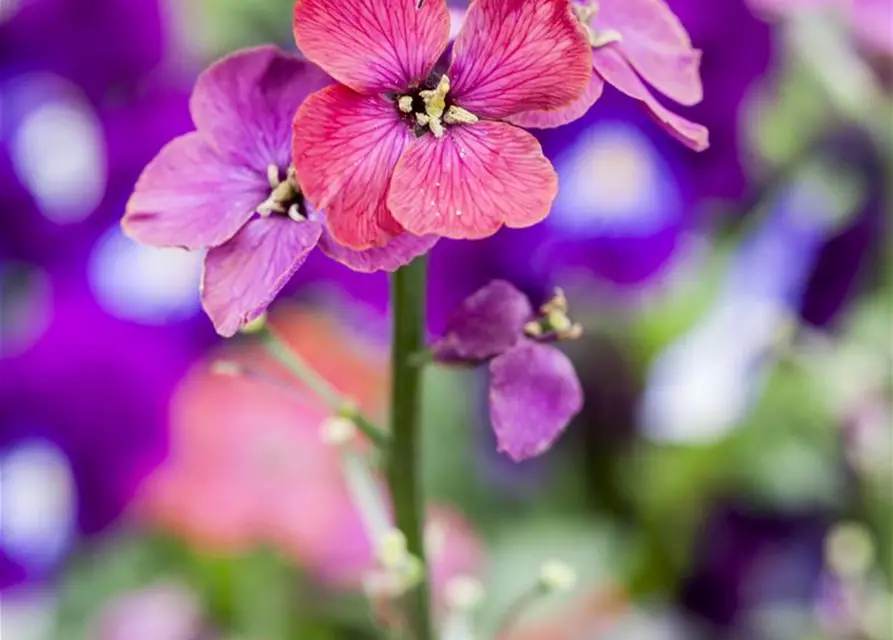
403 148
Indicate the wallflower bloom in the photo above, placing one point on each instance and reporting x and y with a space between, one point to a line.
399 145
632 41
534 390
229 187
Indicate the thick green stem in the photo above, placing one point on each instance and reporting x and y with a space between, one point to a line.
404 478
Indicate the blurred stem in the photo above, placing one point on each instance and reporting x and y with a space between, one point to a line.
319 386
404 478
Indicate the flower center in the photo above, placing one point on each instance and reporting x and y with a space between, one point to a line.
285 195
431 109
553 323
586 13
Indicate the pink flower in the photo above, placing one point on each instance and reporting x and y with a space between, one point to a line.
871 20
634 42
248 467
397 145
228 187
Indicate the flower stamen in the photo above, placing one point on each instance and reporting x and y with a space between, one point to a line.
430 109
585 14
285 196
553 322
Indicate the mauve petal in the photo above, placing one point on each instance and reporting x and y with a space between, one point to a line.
245 103
473 180
346 146
519 55
188 196
243 276
399 251
656 44
488 323
534 394
373 46
550 119
613 67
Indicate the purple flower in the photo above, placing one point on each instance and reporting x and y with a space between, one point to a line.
534 390
228 187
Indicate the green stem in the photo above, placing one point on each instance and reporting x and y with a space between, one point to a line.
321 387
404 481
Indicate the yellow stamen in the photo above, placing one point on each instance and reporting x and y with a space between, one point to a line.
458 115
404 103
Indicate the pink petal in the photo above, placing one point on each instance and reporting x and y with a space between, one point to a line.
188 196
656 44
616 71
373 46
470 182
399 251
486 324
345 149
243 276
549 119
519 55
534 394
245 104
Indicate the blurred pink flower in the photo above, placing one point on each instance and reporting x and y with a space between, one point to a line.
228 187
362 148
871 20
165 611
248 467
634 41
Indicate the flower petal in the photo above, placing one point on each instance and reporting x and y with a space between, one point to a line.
550 119
245 103
345 149
188 196
534 394
613 67
373 46
470 182
519 55
399 251
243 276
488 323
656 44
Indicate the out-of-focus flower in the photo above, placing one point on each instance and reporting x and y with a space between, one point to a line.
362 148
702 385
534 390
68 388
166 611
229 187
248 465
870 20
632 41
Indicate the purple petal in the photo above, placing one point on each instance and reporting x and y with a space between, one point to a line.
245 104
534 394
488 323
243 276
399 251
189 196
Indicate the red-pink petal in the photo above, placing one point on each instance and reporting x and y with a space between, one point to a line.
188 196
399 251
549 119
656 44
613 67
472 181
245 103
346 146
373 46
513 56
243 276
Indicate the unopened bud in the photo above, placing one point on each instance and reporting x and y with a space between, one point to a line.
392 553
337 431
256 325
557 576
464 593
